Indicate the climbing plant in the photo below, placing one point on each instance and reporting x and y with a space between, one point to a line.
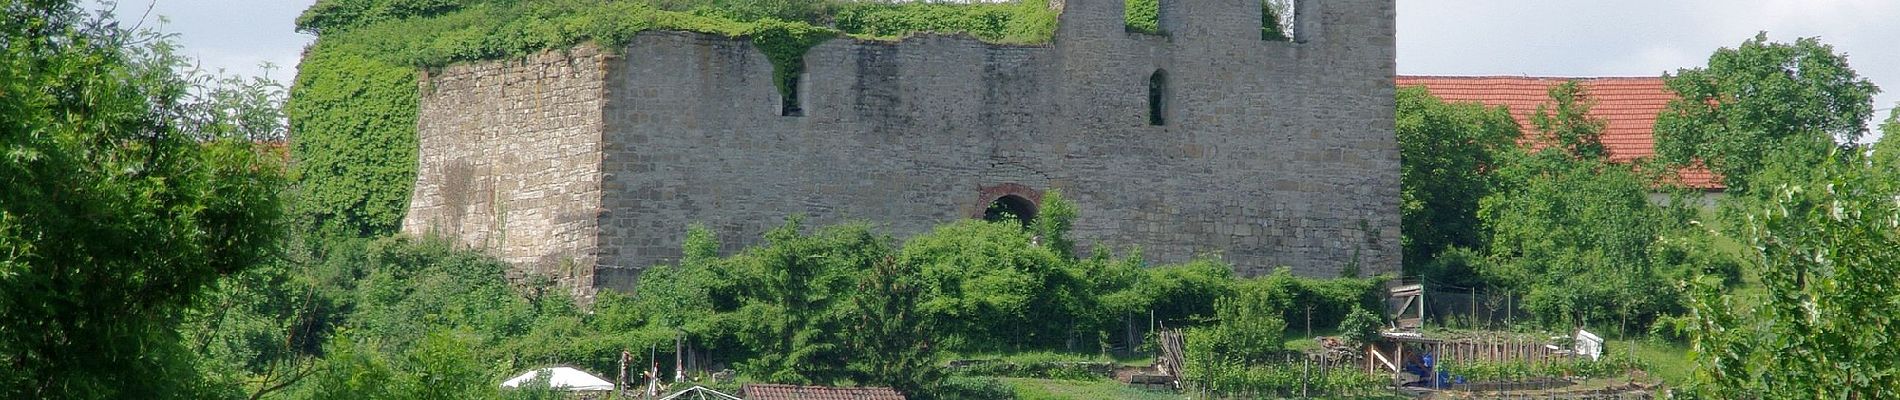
353 109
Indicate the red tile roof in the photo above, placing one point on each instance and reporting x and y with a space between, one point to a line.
794 392
1629 105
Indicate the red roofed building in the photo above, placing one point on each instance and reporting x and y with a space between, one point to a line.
794 392
1629 105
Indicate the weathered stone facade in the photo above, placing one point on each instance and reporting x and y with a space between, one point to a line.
1269 153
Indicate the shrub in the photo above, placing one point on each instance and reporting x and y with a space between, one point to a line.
973 388
1360 326
990 288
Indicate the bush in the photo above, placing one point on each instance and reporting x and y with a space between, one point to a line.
1248 330
1075 370
990 288
1360 326
973 388
1185 293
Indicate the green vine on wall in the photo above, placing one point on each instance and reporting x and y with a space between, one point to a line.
353 109
785 44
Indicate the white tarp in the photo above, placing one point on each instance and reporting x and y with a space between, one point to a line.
563 378
1589 345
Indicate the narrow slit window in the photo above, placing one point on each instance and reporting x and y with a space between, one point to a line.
788 99
1158 98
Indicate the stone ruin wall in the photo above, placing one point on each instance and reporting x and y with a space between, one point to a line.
510 160
1273 153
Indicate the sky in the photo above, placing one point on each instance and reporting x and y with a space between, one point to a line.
1435 37
1637 37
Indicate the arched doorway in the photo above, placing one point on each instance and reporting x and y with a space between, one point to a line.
1011 207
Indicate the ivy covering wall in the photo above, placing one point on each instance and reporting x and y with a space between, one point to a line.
353 108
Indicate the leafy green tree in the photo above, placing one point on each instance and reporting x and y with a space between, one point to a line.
1054 219
1248 328
798 304
1886 151
890 337
1567 125
1763 97
1183 293
1447 152
1361 326
990 288
1246 332
1579 237
121 205
1575 237
354 118
1825 245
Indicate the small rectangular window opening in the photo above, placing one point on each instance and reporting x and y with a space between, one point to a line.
788 100
1157 98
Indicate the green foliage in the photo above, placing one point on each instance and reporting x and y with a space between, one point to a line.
974 388
335 15
1228 379
1825 244
355 119
404 318
891 337
1275 25
785 44
1043 365
1054 219
354 104
795 300
1567 126
1248 328
1447 152
123 202
1361 325
1578 238
1144 16
1330 300
1027 21
1046 389
988 280
1763 97
1886 151
1183 293
443 365
1612 364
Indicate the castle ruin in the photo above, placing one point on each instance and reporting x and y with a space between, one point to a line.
589 165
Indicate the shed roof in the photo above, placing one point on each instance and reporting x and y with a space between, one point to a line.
1628 104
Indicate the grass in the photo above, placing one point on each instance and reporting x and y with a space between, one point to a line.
1050 389
1666 361
1298 340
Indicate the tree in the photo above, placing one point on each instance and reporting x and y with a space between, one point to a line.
1759 98
988 287
1886 152
1566 123
1447 152
1053 222
122 203
1577 234
1825 248
890 336
1576 237
796 300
